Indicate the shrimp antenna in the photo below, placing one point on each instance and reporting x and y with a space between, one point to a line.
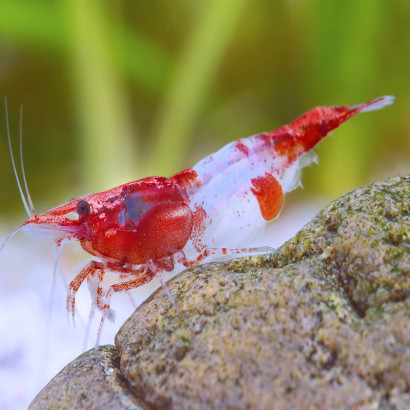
9 237
13 163
30 202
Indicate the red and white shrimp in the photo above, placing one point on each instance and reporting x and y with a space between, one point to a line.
143 228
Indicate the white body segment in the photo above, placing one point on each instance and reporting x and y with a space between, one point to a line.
234 213
226 196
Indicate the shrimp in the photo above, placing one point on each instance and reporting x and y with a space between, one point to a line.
143 228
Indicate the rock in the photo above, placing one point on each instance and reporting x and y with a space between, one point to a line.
92 381
323 323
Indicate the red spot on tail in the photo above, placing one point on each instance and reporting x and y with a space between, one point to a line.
242 147
187 178
269 194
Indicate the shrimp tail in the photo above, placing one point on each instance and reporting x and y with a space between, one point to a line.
266 166
376 104
305 132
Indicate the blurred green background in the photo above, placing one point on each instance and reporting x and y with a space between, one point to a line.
117 90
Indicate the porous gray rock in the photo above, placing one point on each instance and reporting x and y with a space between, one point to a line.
92 381
323 323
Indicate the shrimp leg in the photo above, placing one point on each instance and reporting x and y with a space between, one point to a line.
224 251
97 270
78 281
104 307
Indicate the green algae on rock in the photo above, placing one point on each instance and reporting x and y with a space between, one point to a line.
363 240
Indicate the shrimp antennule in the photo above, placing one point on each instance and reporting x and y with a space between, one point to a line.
30 202
29 208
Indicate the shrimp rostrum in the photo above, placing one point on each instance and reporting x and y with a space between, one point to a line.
143 228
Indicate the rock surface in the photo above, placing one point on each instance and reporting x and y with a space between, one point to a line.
324 323
92 381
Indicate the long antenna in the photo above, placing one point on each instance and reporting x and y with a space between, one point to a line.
9 237
13 163
30 202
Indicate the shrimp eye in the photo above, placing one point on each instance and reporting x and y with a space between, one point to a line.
83 208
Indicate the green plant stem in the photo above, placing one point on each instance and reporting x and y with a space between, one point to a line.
203 53
107 153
